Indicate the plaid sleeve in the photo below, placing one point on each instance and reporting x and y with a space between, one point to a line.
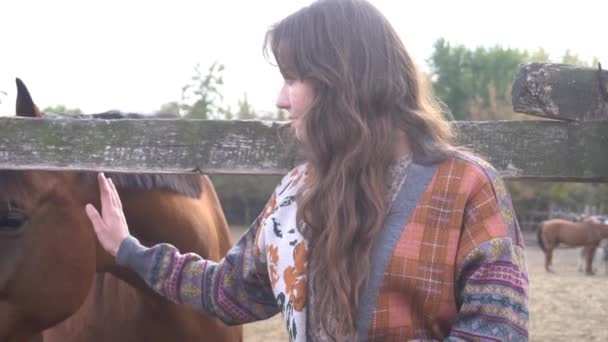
492 280
236 289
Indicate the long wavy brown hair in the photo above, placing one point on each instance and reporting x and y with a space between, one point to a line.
367 90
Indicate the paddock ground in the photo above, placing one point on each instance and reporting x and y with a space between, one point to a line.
565 306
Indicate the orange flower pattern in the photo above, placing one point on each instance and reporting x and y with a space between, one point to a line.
286 252
273 253
295 278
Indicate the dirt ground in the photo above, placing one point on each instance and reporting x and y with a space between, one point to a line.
564 306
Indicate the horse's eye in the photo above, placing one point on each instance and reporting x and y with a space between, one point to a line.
11 220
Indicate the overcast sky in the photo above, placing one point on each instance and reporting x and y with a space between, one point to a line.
136 55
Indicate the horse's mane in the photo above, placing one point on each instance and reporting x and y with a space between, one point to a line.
184 184
13 182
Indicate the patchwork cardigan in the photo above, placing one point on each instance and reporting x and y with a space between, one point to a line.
448 265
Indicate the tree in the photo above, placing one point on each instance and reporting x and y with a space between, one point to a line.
245 109
170 108
572 58
62 109
201 98
474 83
540 55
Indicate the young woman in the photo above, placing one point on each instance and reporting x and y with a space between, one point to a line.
387 232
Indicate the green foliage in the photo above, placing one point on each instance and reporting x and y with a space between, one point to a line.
245 110
170 108
201 97
62 109
475 83
540 55
571 58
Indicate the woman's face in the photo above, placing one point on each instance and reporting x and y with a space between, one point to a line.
296 97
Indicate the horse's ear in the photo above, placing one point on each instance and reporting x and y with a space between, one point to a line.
25 105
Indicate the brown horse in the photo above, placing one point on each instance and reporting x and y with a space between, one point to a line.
53 270
585 233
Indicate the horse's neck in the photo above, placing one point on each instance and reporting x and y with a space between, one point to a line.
112 302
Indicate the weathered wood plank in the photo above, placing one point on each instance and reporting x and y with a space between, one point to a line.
143 145
542 150
560 91
548 150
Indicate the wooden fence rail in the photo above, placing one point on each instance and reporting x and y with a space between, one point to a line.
571 150
519 149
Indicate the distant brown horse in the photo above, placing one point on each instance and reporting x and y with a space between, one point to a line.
585 233
50 256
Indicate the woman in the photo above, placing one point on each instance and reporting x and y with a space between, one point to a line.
388 231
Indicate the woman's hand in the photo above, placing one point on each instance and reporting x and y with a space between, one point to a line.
111 226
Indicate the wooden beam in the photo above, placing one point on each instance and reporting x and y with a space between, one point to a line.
541 150
547 150
144 145
560 91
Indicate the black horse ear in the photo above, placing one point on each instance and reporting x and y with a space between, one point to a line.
25 105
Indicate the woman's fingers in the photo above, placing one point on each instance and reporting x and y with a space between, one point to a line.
94 216
117 201
104 191
109 223
115 195
109 194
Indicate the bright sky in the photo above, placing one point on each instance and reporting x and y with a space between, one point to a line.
136 55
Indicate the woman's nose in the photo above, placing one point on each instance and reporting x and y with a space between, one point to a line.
282 101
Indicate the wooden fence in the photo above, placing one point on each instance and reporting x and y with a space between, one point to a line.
571 147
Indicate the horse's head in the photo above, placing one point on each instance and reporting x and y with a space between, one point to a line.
49 252
47 261
603 227
597 219
599 223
